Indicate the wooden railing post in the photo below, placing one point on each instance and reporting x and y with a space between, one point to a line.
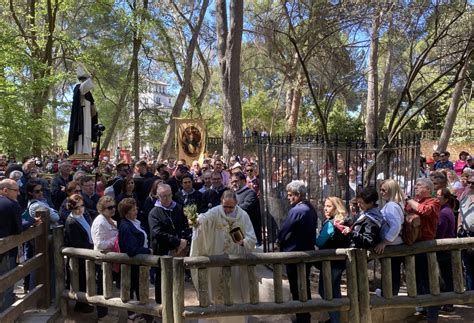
167 288
178 292
58 243
363 286
352 289
41 243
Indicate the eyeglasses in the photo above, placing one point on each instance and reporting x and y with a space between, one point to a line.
383 190
470 182
38 191
111 207
442 155
77 191
13 189
249 170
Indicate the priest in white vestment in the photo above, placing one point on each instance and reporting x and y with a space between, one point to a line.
211 237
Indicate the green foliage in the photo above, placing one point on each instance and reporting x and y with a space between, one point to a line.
344 125
257 112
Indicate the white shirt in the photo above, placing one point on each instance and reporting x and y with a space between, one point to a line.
103 233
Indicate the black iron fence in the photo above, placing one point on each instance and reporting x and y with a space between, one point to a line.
329 168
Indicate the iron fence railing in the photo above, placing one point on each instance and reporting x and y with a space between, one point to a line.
329 168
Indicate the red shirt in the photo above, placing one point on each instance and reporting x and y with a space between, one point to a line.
428 210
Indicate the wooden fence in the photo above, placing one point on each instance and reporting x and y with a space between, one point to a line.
39 296
255 307
459 296
146 305
358 300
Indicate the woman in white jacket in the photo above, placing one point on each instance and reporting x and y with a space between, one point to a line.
104 234
393 214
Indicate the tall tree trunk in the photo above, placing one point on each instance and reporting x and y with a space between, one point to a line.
453 109
372 83
54 111
387 80
292 120
288 102
229 48
139 17
167 146
136 102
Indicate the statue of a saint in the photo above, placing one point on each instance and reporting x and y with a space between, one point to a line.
83 117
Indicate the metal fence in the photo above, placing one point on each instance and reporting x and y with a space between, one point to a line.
335 168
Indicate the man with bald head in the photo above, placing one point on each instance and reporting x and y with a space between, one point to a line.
10 224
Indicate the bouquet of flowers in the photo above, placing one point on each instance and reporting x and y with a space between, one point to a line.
190 211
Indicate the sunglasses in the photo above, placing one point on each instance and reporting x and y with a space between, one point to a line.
110 207
249 170
470 182
383 190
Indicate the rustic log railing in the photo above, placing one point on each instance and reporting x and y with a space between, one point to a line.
145 305
255 307
436 297
39 296
358 300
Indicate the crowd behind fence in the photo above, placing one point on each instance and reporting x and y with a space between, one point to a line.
336 168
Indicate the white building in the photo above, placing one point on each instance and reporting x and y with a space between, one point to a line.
156 96
153 97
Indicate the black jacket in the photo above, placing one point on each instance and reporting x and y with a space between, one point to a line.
75 235
90 204
58 195
193 198
211 198
131 239
248 201
167 228
365 231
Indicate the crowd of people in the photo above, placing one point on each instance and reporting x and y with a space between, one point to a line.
139 208
443 202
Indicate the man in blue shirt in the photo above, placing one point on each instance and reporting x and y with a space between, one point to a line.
443 162
298 233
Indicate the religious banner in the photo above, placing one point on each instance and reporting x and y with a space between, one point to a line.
190 139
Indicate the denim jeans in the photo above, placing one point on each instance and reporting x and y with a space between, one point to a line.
336 275
468 261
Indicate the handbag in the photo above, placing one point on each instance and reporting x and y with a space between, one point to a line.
116 248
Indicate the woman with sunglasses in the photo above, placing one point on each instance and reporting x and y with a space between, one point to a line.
392 212
36 201
105 238
77 234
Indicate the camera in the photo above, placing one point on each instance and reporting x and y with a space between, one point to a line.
100 128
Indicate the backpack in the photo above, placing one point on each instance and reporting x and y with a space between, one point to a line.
411 229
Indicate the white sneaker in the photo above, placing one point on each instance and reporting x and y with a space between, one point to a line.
378 292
